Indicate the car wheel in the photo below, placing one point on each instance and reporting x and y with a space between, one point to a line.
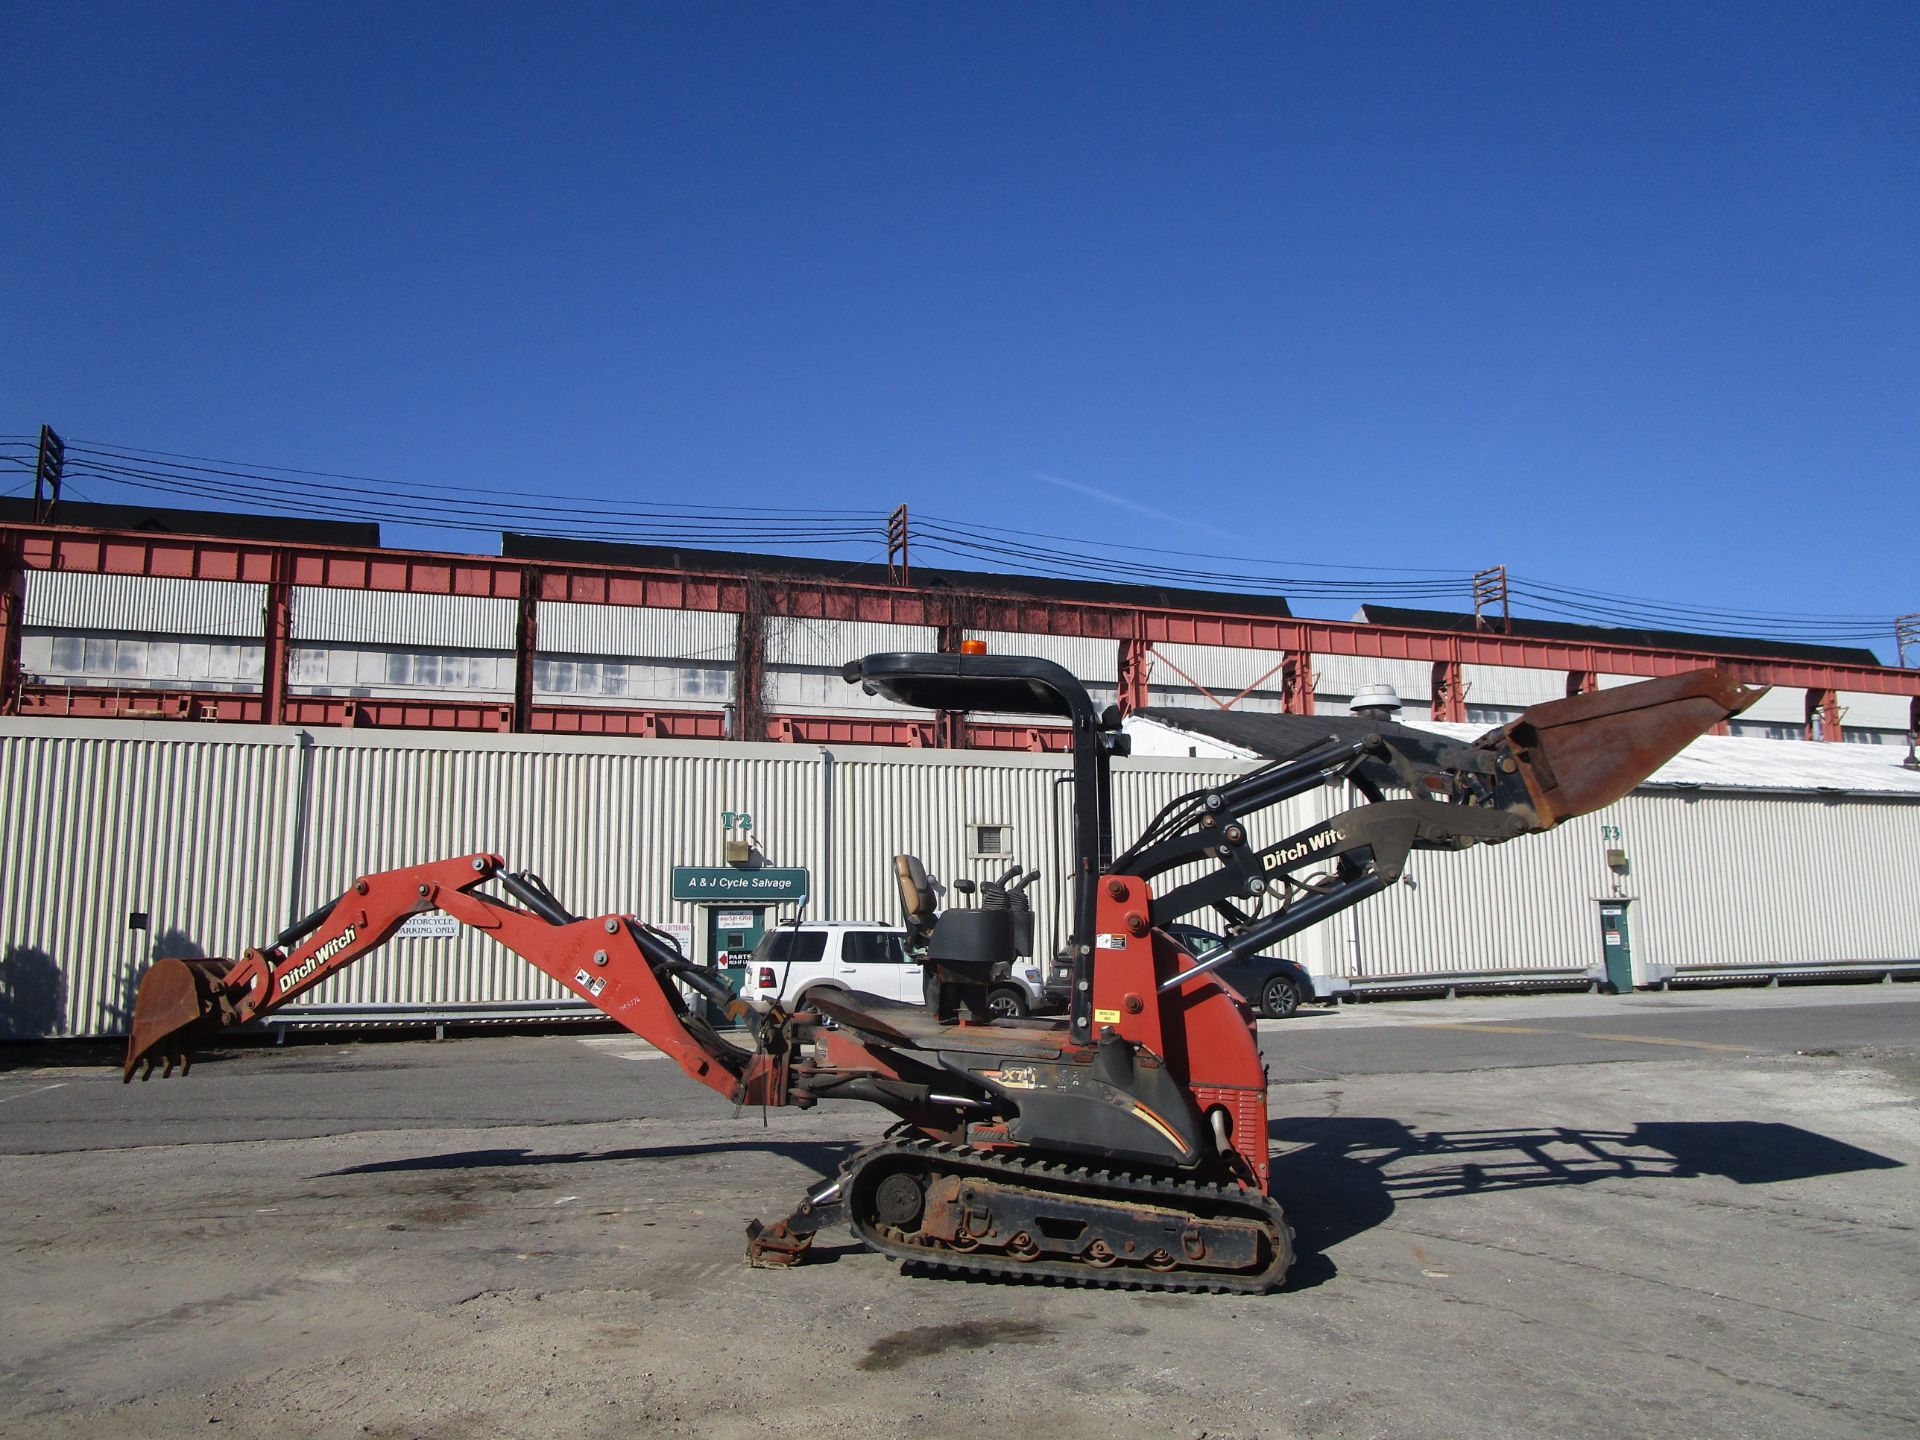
831 992
1007 1003
1279 998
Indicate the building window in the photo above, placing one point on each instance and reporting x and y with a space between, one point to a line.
989 842
146 662
589 677
371 669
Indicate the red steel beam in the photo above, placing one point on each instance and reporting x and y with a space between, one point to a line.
278 644
13 607
72 702
636 724
44 547
526 645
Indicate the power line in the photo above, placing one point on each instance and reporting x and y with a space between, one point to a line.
326 495
255 471
1574 591
920 519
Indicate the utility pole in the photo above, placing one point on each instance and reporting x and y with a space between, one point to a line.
1490 589
1906 636
897 571
46 477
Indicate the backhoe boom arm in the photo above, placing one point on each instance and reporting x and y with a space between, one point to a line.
611 961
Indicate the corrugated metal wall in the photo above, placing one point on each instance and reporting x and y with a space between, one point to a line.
1714 879
221 836
829 644
1094 662
1875 712
1221 668
382 617
144 604
804 658
1346 674
632 631
1780 878
106 820
602 824
1511 685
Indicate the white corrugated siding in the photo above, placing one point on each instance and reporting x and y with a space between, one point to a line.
1223 669
382 617
1347 674
1512 685
1526 905
107 819
829 644
1731 879
205 830
1096 662
636 631
602 824
1876 712
1714 879
147 604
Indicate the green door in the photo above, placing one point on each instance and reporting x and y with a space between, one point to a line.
1617 947
732 932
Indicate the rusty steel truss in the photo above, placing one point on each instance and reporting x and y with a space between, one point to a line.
1135 629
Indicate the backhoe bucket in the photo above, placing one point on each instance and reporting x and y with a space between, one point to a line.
1587 751
178 1005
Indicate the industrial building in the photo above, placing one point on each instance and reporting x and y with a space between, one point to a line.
209 725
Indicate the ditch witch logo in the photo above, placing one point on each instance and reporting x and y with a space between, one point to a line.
319 957
1309 845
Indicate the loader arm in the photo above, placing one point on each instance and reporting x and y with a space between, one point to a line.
1557 760
610 961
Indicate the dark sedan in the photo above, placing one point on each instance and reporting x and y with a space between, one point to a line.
1274 986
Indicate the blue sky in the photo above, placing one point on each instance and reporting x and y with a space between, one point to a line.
1622 297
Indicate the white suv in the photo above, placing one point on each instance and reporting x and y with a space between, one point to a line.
792 961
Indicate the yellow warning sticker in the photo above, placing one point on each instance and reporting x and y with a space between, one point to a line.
1106 1017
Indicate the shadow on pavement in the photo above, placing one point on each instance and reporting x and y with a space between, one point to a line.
1341 1176
820 1157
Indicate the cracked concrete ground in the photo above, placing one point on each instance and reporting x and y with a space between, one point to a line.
541 1236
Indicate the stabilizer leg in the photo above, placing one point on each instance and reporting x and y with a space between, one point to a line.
785 1243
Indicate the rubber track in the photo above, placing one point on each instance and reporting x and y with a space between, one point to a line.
1090 1183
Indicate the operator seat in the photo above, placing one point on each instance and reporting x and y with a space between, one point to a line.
961 945
917 899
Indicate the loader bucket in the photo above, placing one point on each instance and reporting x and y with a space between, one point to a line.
1587 751
177 1006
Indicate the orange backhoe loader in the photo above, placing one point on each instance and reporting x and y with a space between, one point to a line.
1124 1144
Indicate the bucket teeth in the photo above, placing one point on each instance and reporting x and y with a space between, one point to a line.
178 1004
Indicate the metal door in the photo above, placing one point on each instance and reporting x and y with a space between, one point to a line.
1617 946
874 962
732 932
